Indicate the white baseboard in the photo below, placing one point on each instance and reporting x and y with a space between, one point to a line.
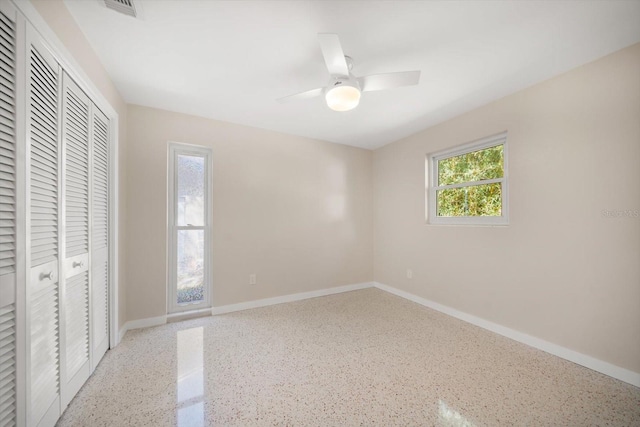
161 320
121 333
288 298
546 346
142 323
186 315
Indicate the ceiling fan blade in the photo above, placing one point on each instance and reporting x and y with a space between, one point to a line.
388 80
333 54
302 95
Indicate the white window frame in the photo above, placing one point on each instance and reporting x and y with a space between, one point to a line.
433 188
176 149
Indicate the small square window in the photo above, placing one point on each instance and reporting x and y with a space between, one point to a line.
468 184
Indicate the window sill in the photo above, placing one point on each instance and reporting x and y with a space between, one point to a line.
469 223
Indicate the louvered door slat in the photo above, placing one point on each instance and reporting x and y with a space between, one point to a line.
77 157
6 247
76 143
7 42
6 112
7 51
7 168
7 147
44 235
100 307
77 323
77 187
39 184
7 81
77 122
8 205
78 160
100 214
77 221
48 76
5 97
7 153
6 127
45 101
44 349
7 365
44 170
44 338
44 135
77 236
100 235
76 203
37 133
43 155
8 36
7 55
44 148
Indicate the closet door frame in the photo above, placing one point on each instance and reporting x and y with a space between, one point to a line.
31 26
75 71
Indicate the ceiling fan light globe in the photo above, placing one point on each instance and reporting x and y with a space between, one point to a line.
343 97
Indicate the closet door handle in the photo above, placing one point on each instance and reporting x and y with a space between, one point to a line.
78 264
49 276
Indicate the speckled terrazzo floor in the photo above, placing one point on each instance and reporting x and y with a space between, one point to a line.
359 358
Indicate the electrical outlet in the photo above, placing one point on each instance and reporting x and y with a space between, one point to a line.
252 279
409 273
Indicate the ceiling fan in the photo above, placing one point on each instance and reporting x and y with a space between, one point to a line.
343 91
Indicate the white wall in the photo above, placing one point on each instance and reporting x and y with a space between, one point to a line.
561 271
294 211
298 212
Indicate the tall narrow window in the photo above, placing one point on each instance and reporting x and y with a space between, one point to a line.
189 224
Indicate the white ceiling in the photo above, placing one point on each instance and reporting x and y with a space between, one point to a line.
230 60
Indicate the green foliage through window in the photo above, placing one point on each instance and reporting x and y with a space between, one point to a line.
473 199
476 200
474 166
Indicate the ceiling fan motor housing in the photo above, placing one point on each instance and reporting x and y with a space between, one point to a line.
342 94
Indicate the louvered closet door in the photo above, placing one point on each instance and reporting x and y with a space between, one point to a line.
43 296
8 237
75 140
100 235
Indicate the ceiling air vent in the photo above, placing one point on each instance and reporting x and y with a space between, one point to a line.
122 6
